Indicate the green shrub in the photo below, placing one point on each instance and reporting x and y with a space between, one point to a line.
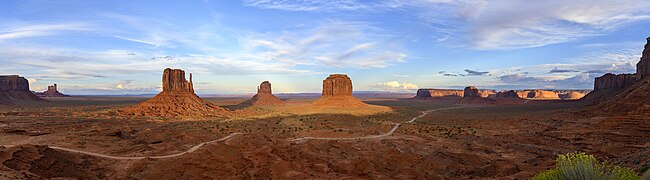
582 166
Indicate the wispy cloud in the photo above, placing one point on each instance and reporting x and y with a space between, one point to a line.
332 44
37 30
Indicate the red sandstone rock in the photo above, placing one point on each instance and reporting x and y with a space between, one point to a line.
507 94
176 99
435 93
337 92
264 97
471 91
573 95
614 81
542 94
15 88
643 67
52 91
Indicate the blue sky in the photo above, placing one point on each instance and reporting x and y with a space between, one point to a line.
121 47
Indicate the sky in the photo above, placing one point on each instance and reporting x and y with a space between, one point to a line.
231 46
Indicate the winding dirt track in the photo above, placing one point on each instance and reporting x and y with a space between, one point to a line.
196 147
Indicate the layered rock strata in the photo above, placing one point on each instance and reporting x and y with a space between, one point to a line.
337 92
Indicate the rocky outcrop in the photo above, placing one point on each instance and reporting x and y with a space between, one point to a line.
437 93
471 92
337 92
542 94
15 88
573 95
176 99
264 97
507 94
643 67
52 91
614 81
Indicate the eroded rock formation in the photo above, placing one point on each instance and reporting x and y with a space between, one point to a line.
264 97
614 81
643 67
52 91
542 94
176 99
471 91
337 92
573 95
15 88
436 93
507 94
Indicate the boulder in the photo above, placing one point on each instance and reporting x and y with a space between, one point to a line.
176 99
15 88
337 92
436 93
471 91
643 67
614 81
264 97
52 91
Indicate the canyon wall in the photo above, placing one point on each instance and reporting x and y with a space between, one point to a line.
614 81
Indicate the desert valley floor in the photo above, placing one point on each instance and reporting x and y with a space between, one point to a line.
80 137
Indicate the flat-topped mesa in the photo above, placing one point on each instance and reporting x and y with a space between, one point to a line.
337 85
643 67
542 94
614 81
507 94
436 93
14 87
264 97
52 91
337 92
471 92
13 83
174 80
176 99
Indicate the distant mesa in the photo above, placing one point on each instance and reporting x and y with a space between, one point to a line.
573 95
438 93
507 94
542 94
470 92
337 92
14 88
264 97
52 91
176 99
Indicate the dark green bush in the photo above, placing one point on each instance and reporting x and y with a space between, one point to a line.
582 166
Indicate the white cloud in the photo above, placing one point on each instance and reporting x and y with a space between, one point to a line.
332 44
395 86
36 30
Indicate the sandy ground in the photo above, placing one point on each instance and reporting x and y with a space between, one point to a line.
459 141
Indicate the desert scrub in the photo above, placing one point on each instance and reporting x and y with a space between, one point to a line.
579 165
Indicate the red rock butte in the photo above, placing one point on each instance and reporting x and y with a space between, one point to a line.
15 88
176 99
52 91
337 92
264 97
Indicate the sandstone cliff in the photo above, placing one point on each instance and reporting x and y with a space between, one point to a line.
643 67
507 94
264 97
614 81
176 99
438 93
337 92
15 88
